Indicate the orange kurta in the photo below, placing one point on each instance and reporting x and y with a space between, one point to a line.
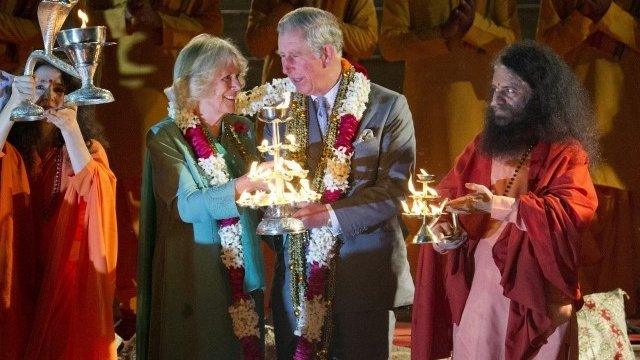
77 246
17 268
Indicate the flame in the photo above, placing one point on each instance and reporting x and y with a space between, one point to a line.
83 16
430 191
305 184
290 187
412 189
254 168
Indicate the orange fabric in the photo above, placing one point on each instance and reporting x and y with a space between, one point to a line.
17 267
77 249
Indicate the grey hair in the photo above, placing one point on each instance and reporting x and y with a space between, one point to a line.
318 27
197 64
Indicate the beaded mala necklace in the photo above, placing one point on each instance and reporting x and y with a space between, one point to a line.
57 184
516 171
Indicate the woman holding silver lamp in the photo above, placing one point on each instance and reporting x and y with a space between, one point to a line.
58 238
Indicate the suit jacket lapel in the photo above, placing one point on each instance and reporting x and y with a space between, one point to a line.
366 117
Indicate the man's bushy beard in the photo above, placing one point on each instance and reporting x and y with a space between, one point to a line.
511 135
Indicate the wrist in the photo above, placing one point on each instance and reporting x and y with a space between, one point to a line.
71 132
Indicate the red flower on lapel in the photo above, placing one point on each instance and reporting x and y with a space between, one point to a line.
240 128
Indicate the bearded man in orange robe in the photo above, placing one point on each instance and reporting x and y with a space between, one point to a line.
506 288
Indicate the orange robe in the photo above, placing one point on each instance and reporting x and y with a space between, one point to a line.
17 266
76 253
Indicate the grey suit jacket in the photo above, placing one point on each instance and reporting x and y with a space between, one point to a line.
372 272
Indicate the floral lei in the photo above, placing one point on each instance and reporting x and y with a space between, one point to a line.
243 313
312 294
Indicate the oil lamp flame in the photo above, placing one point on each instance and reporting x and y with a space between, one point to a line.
83 16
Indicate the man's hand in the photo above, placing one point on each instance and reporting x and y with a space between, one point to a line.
451 27
594 9
141 14
459 21
446 238
314 215
478 202
464 15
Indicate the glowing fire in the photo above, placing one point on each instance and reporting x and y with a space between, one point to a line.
83 16
422 200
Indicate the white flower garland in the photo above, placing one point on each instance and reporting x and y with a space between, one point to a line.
214 167
355 100
232 254
336 174
245 319
268 94
308 324
185 119
243 315
321 246
322 242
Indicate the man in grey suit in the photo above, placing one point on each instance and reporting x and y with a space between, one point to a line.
371 271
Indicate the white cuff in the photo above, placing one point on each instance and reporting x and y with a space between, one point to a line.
333 220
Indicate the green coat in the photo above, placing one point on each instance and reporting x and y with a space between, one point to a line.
183 291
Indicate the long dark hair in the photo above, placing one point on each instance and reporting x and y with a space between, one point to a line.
25 136
560 104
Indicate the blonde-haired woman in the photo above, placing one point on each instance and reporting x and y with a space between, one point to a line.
200 266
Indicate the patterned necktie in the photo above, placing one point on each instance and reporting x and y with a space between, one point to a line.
321 113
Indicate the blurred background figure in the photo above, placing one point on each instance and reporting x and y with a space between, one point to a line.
19 32
359 27
599 39
447 48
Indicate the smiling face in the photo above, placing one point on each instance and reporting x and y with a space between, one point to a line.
510 95
220 99
311 72
50 89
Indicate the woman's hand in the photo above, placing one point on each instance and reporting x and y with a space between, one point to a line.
244 183
22 88
477 202
64 119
